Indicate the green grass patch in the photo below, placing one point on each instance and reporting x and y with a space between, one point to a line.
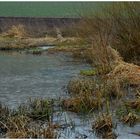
35 51
88 72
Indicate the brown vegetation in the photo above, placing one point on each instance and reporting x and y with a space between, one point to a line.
84 103
130 118
83 86
103 126
23 122
105 38
16 31
126 72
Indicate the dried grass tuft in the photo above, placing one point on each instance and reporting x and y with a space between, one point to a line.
103 126
83 103
126 72
17 31
81 86
130 118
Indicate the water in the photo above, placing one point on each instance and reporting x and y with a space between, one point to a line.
45 47
24 75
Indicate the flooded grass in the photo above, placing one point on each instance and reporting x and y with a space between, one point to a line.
84 104
19 123
131 119
40 109
81 86
103 126
129 113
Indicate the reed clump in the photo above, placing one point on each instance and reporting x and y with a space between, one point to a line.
17 31
131 119
31 132
114 89
82 104
17 125
88 95
129 112
126 72
4 114
103 126
25 121
81 86
40 109
4 111
133 104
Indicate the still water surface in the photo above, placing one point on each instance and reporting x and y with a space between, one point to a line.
23 76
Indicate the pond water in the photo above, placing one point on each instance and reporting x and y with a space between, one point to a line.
45 76
45 47
23 76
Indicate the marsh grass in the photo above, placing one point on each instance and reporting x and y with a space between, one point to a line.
17 31
113 89
88 72
129 112
131 119
83 104
81 86
4 114
19 123
27 131
88 94
40 109
4 111
103 126
133 104
109 37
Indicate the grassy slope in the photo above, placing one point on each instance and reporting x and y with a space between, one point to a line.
50 9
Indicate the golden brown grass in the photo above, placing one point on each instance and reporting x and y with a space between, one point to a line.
81 86
134 104
45 133
17 31
130 118
103 126
23 122
126 72
83 103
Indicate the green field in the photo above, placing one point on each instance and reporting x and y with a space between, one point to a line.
47 9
